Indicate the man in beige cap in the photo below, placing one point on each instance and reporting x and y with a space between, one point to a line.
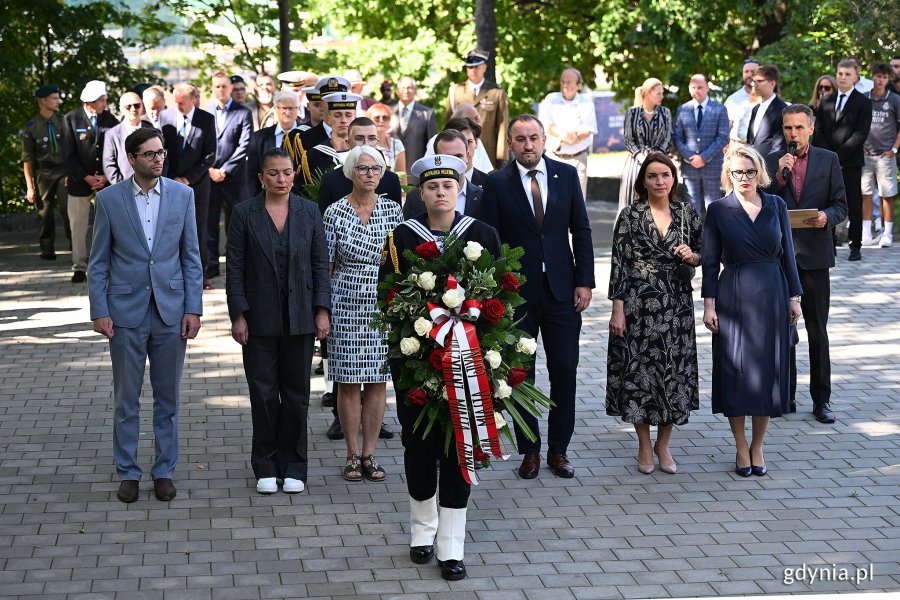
85 129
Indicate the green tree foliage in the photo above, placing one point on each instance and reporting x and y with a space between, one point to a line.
48 41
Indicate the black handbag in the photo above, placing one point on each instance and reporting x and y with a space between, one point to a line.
684 272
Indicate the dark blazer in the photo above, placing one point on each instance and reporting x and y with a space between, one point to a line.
199 152
844 134
823 189
421 126
415 206
251 283
84 148
261 142
335 185
478 177
505 207
314 136
232 142
115 160
770 135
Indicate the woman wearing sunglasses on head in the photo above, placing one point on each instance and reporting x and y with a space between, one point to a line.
751 298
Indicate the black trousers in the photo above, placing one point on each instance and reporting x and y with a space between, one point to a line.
853 184
201 212
51 193
277 369
424 460
815 304
222 195
560 328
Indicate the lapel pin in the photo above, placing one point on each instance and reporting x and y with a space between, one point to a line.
555 176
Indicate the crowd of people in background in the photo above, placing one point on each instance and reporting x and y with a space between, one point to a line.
309 174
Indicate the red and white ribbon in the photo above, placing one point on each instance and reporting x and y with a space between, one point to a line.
466 379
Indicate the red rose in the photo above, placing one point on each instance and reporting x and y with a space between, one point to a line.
480 455
492 310
437 359
516 377
428 250
417 396
509 282
390 296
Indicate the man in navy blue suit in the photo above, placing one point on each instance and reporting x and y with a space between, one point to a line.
701 131
234 125
536 203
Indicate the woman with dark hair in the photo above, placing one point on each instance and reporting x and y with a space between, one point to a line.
751 305
651 368
279 299
826 84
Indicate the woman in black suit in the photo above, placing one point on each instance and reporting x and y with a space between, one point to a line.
279 299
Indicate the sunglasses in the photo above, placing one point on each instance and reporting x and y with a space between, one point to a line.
130 106
825 88
381 117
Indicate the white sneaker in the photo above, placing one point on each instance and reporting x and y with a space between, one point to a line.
266 485
867 239
293 486
887 240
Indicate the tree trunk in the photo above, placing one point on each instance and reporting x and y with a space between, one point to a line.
486 34
284 34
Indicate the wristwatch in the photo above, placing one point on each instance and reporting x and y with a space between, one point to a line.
795 298
894 150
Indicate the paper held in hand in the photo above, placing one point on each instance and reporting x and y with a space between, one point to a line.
798 217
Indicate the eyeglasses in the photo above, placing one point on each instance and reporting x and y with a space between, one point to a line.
759 81
130 106
825 88
365 169
381 117
286 108
150 154
748 174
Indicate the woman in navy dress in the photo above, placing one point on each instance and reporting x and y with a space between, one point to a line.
751 304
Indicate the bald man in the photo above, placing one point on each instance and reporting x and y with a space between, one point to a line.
115 160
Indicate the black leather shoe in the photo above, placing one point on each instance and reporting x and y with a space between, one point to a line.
335 432
328 400
854 254
452 570
758 471
212 272
421 554
79 277
385 433
128 491
164 489
793 407
320 370
531 465
48 256
823 413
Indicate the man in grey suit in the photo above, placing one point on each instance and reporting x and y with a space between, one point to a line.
228 173
145 284
115 160
451 142
412 122
813 181
701 131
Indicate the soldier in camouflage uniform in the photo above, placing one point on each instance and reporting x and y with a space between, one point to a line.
45 169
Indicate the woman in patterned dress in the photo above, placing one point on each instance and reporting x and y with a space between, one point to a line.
355 228
648 128
651 369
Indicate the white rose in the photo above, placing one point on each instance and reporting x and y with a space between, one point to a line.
526 345
409 345
444 393
499 420
426 280
473 251
422 326
502 390
452 298
493 358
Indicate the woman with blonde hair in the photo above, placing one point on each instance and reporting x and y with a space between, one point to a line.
751 299
648 128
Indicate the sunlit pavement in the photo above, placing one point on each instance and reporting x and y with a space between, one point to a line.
830 500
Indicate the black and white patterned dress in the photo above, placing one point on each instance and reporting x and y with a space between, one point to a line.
642 137
356 350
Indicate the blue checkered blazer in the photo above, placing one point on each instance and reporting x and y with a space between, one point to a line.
707 142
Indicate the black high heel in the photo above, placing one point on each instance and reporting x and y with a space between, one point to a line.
759 471
742 471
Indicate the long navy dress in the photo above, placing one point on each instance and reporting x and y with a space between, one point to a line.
751 366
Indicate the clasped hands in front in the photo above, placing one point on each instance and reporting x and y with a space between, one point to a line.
240 332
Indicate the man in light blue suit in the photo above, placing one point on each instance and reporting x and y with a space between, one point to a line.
701 132
145 284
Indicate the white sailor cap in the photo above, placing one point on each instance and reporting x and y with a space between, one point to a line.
93 90
331 84
295 78
341 100
438 166
312 94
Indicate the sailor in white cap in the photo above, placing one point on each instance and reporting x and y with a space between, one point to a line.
85 130
437 503
327 155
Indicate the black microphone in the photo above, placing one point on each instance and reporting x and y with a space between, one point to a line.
792 150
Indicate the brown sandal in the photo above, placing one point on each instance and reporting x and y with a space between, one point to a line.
371 469
353 470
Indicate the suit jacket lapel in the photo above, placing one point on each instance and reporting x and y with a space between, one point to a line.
260 229
552 189
131 210
165 206
473 200
515 184
295 225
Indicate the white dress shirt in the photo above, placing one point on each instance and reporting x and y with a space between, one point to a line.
147 208
185 121
736 105
567 116
475 87
221 112
761 112
461 199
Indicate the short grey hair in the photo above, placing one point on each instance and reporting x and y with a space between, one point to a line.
798 109
353 158
282 95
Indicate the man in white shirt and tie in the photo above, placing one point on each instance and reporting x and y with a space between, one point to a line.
413 123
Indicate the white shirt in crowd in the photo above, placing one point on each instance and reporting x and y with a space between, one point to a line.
148 209
577 114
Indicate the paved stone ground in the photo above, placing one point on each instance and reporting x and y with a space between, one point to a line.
831 497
